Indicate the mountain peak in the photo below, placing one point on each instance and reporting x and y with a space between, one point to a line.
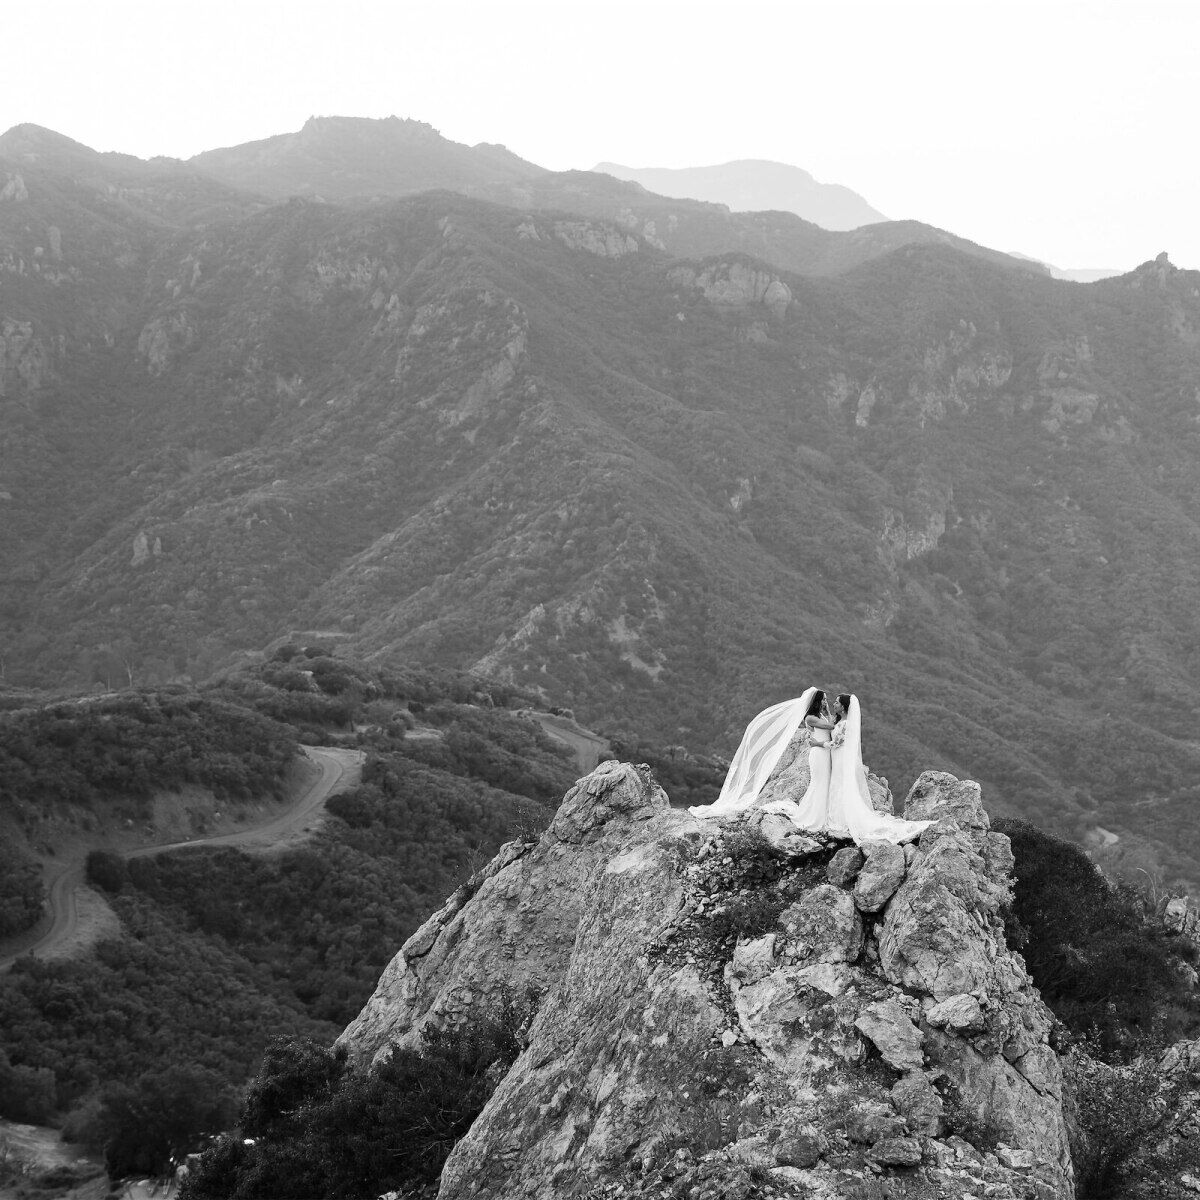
31 143
382 127
1158 271
717 997
343 158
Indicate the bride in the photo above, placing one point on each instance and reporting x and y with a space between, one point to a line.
835 799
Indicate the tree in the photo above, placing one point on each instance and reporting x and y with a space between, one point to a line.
160 1118
26 1093
107 871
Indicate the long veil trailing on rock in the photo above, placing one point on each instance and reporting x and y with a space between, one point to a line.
845 810
761 748
850 807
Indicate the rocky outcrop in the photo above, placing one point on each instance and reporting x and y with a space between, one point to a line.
880 876
1062 378
511 930
728 1011
736 285
902 539
164 339
601 240
145 548
12 188
477 326
24 359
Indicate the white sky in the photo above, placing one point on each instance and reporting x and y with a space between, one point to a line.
1060 129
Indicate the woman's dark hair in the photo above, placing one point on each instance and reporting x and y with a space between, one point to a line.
814 706
844 700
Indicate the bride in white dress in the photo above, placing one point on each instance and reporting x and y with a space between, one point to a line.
836 801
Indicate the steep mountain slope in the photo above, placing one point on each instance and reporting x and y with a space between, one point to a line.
667 492
77 232
756 185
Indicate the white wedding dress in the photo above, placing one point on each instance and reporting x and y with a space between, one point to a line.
837 801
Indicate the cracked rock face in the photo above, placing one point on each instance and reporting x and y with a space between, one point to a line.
512 929
722 1013
880 876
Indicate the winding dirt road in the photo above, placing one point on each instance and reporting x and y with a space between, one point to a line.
339 769
583 743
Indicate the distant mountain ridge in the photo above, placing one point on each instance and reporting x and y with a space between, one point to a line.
360 160
1072 274
342 158
756 185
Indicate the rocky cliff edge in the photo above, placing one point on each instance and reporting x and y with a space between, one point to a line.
734 1010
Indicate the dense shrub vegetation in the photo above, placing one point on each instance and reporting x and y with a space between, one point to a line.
162 993
1099 957
149 1125
221 949
21 889
1120 1113
104 751
319 1129
323 920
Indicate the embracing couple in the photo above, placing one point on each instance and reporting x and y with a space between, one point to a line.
803 758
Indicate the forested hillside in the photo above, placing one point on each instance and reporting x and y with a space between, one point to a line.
220 950
664 492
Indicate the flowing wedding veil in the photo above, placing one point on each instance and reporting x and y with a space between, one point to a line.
848 782
848 776
761 748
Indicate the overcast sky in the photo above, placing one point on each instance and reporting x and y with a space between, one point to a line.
1063 130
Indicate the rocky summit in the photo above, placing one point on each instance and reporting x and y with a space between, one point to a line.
730 1009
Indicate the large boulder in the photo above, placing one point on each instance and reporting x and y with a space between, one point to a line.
845 865
938 796
938 934
897 1039
920 1104
823 926
959 1014
881 875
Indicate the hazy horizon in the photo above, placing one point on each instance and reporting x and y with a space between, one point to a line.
1052 130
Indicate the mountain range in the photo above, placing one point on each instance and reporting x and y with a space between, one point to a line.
759 185
664 462
756 185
